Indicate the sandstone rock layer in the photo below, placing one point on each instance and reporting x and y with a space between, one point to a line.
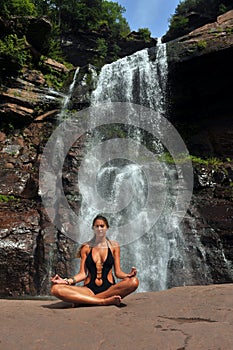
183 318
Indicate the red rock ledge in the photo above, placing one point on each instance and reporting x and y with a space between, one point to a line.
182 318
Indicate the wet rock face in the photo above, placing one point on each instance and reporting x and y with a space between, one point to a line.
213 198
200 72
30 245
19 231
31 248
207 231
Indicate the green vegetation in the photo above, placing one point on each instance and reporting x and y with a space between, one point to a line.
53 81
201 44
112 15
229 30
100 16
75 14
212 161
145 34
182 158
102 50
180 23
13 48
6 198
18 8
54 47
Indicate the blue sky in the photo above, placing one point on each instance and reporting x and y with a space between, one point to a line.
152 14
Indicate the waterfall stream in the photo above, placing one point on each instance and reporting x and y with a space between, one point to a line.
124 170
137 79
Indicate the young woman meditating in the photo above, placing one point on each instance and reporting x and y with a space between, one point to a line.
98 257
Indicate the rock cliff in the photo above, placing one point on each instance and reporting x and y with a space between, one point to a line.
199 98
200 74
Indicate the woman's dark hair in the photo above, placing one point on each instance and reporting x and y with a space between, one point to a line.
91 242
100 217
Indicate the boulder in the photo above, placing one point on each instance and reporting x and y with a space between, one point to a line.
59 67
38 32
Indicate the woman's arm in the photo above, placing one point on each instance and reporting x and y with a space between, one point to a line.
80 276
117 264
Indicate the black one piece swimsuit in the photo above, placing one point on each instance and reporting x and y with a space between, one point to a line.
91 266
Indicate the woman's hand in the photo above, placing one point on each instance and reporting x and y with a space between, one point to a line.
58 280
133 272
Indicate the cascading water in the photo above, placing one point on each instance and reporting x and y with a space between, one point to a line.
138 79
161 255
135 79
68 97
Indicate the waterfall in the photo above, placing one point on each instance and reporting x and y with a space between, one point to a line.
139 79
67 97
135 79
123 174
115 177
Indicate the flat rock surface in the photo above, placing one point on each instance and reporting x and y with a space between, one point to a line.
182 318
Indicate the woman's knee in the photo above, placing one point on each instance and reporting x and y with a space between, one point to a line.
134 283
55 290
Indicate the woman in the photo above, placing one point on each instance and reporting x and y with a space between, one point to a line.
98 256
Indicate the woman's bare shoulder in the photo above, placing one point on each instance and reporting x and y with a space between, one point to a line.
85 247
83 250
114 244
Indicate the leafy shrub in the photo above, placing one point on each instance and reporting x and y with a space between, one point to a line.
18 8
14 49
6 198
201 44
102 48
178 23
145 34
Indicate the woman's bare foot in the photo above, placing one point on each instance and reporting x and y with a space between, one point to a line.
114 300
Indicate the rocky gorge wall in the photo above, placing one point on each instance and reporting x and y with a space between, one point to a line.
199 97
200 76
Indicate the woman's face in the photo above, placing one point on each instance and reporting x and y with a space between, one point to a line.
100 228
